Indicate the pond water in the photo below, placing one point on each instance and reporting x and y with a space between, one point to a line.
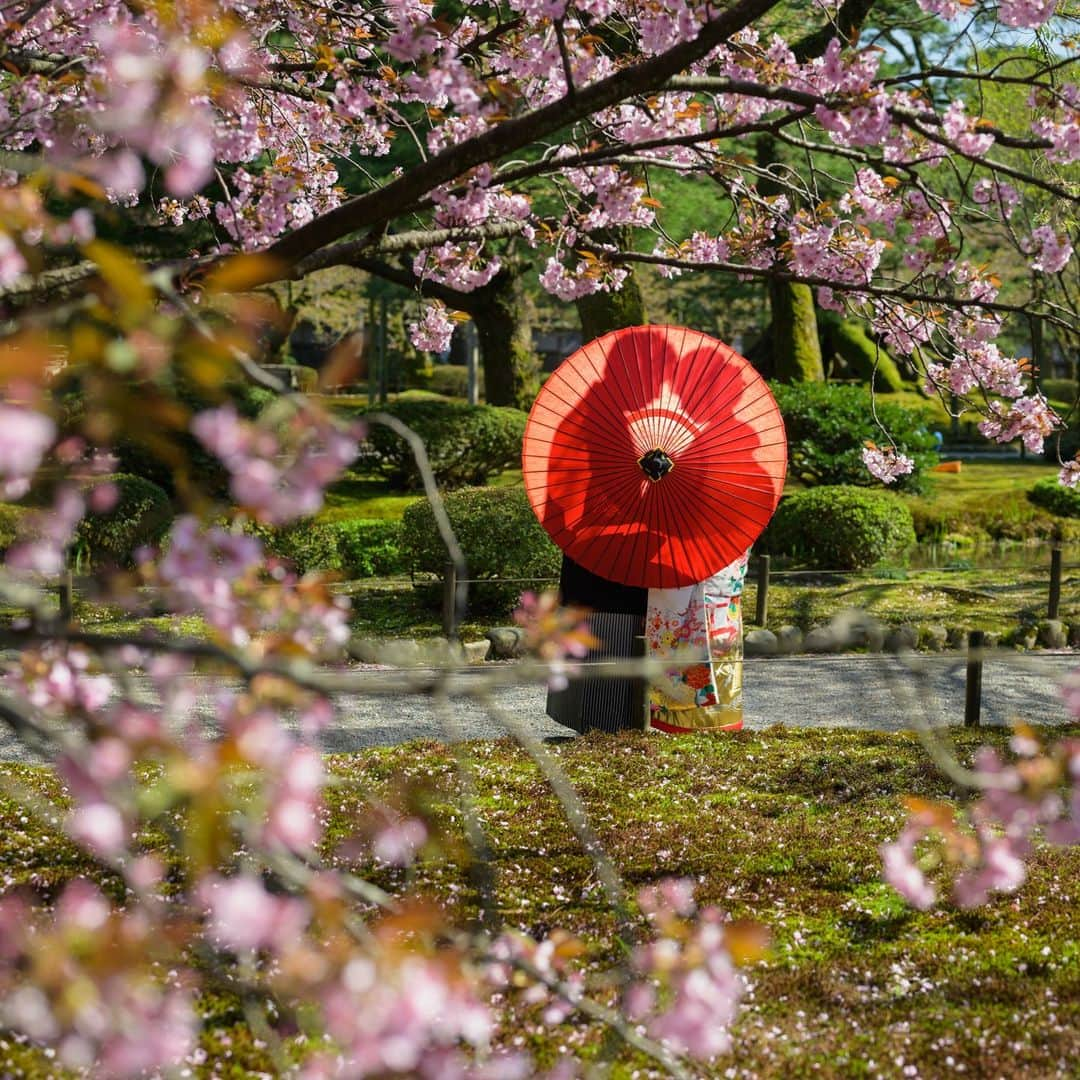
990 556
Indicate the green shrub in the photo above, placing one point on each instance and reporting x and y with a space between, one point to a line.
9 525
840 527
141 516
351 547
465 443
500 537
450 380
1055 497
369 548
308 545
828 426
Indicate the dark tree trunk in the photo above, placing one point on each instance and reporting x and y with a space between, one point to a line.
503 315
602 312
795 346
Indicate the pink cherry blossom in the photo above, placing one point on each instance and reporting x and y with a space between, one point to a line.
1052 251
25 436
886 464
901 872
434 330
244 916
1030 13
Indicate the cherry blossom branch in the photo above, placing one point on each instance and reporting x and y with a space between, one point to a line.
515 134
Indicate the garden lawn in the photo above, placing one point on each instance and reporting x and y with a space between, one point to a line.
782 827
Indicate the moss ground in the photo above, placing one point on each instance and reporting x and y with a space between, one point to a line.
781 827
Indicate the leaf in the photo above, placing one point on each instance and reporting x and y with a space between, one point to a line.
242 273
747 941
124 275
24 358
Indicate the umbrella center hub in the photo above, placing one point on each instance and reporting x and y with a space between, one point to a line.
656 464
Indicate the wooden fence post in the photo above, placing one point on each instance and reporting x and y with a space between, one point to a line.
449 601
763 590
973 686
66 592
1054 601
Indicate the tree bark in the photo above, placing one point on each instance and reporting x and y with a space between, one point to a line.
795 346
602 312
503 314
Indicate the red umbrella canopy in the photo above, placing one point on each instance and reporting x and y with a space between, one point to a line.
654 456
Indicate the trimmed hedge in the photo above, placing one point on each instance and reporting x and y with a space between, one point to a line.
839 527
351 547
450 380
466 444
500 537
141 516
828 425
1055 497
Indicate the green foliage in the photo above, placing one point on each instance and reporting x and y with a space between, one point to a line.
1055 497
351 547
142 515
841 527
450 380
368 548
138 459
499 535
828 426
9 525
863 358
465 443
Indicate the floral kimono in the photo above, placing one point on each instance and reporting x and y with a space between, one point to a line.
698 629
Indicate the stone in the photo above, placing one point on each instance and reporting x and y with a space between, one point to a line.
933 637
821 639
991 639
507 642
1022 637
760 643
476 652
956 637
1074 635
900 638
789 639
854 629
1052 634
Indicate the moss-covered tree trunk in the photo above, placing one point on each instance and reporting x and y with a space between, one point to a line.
795 345
503 313
603 312
796 351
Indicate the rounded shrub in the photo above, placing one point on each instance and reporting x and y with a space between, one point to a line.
351 548
450 380
828 425
838 527
501 539
465 444
1055 497
140 515
368 548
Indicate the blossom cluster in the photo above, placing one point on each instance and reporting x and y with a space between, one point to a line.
984 848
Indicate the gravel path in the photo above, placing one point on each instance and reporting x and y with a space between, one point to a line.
877 693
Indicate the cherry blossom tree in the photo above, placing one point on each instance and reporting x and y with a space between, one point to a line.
268 140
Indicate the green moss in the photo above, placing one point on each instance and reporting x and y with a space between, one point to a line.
795 346
780 826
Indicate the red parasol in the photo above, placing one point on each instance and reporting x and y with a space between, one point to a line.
654 456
